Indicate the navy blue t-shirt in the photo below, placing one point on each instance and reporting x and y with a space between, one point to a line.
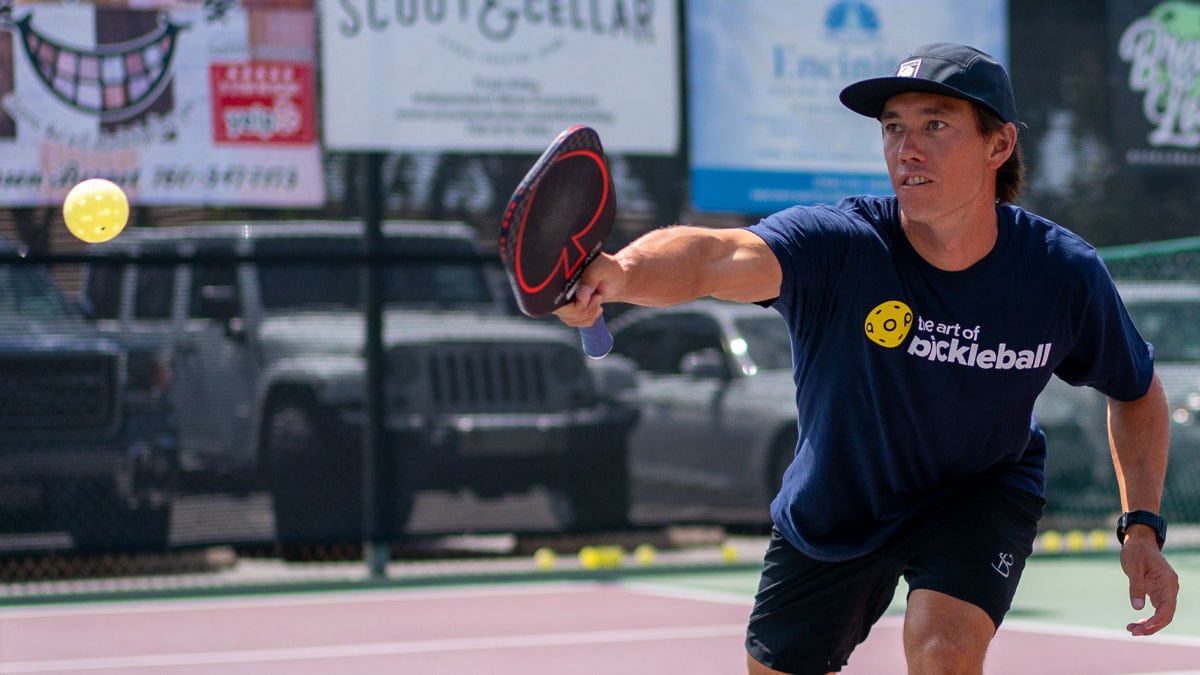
910 378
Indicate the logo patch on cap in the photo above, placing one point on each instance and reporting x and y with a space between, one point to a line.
909 68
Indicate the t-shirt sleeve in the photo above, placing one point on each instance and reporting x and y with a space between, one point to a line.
799 238
1109 353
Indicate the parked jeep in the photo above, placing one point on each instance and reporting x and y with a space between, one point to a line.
86 438
267 329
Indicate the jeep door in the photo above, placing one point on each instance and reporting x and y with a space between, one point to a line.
216 364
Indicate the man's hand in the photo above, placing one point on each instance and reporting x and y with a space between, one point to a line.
594 289
1149 575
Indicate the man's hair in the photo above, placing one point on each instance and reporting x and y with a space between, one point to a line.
1010 179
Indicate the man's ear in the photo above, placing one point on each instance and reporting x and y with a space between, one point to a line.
1003 144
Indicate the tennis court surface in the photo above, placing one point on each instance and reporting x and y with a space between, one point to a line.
1068 618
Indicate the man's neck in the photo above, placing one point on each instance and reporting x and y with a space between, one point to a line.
956 246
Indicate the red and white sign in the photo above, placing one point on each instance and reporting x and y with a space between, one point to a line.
262 102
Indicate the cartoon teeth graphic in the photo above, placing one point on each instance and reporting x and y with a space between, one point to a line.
112 81
888 324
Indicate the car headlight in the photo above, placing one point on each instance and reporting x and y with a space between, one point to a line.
1188 411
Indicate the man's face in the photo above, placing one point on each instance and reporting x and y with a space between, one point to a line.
941 165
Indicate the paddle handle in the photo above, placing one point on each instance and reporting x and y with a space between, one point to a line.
597 341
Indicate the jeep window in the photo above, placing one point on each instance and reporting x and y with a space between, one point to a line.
315 273
103 293
28 293
658 344
214 292
155 288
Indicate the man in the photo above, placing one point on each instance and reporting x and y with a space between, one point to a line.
923 326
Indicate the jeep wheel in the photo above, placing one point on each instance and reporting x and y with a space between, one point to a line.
596 487
314 485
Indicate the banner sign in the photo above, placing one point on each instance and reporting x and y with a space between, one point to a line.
180 104
767 129
499 75
1156 91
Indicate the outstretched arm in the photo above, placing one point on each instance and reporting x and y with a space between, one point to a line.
676 264
1139 435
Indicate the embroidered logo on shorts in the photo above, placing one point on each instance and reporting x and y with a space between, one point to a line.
1003 566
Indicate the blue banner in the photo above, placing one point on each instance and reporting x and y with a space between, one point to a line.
766 128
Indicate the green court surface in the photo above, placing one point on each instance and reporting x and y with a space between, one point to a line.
1087 591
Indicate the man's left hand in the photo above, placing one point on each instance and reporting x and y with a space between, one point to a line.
1149 575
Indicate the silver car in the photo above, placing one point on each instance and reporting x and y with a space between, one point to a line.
718 423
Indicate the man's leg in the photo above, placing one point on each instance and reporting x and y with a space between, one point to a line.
943 634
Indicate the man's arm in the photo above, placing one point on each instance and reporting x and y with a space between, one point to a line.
1139 435
675 264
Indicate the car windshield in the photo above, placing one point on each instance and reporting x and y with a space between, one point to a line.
1172 327
314 274
767 341
27 293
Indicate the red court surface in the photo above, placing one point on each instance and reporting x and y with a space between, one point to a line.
581 628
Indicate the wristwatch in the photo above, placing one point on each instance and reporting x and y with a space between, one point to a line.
1155 521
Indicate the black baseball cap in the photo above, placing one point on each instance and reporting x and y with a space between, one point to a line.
939 68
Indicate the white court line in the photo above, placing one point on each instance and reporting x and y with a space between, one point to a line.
1010 625
300 599
1040 628
374 649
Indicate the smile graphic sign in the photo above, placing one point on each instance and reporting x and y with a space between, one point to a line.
178 104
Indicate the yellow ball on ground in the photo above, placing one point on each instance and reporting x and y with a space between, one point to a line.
645 554
1052 542
614 556
545 558
1076 541
1099 540
96 210
590 558
729 553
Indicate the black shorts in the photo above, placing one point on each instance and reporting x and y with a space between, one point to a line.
809 615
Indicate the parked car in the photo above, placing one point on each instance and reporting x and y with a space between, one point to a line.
87 439
718 423
266 326
1079 465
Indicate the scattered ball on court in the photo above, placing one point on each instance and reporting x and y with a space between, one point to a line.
728 553
1076 541
611 557
544 558
1052 542
1098 540
96 210
645 554
590 558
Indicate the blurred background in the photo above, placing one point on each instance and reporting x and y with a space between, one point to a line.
303 340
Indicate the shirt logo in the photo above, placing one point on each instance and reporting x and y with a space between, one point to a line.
909 68
888 324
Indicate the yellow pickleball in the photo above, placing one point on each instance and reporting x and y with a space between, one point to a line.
96 210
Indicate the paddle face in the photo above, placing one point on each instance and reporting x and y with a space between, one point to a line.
557 221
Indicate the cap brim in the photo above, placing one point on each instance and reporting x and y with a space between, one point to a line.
869 96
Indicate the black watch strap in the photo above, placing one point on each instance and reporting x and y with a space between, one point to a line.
1153 520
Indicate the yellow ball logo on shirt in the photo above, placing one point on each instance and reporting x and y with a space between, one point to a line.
888 324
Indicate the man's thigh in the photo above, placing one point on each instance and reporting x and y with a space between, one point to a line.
809 615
